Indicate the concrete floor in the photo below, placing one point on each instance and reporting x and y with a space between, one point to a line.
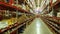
37 27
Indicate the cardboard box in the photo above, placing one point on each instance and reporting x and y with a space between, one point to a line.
2 0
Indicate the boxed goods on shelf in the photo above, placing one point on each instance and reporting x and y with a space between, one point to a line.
7 22
8 32
7 1
53 22
2 0
18 5
1 17
3 24
11 21
22 18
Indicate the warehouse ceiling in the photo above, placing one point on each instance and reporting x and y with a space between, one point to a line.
36 3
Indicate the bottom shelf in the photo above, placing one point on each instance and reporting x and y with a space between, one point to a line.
17 28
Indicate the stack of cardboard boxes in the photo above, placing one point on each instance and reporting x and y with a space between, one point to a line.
2 0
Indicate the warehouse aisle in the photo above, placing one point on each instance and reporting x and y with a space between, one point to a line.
37 27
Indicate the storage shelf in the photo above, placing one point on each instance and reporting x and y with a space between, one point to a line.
52 24
7 6
15 25
55 4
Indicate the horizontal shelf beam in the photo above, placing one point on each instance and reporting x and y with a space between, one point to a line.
11 7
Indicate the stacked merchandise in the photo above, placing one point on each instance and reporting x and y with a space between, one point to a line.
22 18
2 0
7 1
10 19
53 22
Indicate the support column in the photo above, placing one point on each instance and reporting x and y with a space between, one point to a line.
54 12
11 2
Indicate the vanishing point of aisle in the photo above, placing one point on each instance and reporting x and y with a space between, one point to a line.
37 27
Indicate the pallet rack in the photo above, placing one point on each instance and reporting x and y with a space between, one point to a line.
13 29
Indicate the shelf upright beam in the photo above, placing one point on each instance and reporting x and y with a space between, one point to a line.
11 2
16 10
51 3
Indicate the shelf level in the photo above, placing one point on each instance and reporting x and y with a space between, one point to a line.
7 6
55 4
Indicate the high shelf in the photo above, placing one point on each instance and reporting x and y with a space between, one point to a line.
14 16
7 6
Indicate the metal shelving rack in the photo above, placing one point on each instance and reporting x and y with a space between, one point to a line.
13 29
